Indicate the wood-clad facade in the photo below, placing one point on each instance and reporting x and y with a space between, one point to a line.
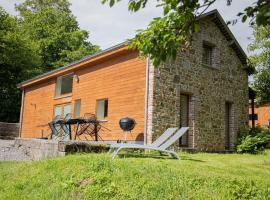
117 76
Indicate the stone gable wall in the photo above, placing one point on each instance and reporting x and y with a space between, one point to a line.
209 89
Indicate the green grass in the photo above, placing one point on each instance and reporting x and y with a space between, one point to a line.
96 176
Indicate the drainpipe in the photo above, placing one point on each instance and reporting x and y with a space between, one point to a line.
253 112
146 101
21 113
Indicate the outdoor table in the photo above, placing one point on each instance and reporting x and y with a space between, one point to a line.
77 122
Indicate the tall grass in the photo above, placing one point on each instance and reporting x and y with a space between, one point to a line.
96 176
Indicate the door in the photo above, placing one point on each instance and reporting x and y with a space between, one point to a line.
184 118
62 110
228 107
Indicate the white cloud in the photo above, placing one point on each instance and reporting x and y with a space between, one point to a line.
110 26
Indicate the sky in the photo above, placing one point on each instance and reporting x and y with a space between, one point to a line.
110 26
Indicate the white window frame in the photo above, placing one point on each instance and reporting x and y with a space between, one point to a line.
58 85
97 107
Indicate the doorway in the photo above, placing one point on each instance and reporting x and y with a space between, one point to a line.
228 114
184 118
62 110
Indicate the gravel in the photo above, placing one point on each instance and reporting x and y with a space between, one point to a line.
8 151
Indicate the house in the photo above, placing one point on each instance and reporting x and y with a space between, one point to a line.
206 88
261 115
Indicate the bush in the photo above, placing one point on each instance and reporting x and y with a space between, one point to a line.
82 147
256 140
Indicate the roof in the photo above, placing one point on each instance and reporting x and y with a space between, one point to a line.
215 16
73 64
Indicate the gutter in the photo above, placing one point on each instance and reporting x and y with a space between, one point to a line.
21 114
146 101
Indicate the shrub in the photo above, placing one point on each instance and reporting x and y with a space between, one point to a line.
86 148
255 141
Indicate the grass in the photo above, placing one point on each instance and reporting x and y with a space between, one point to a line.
96 176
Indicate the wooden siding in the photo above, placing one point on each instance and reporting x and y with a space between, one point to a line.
263 113
121 80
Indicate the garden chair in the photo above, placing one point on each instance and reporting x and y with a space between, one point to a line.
89 128
66 133
55 129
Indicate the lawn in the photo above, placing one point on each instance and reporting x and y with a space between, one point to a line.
96 176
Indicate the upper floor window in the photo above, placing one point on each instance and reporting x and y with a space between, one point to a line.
102 108
207 54
64 85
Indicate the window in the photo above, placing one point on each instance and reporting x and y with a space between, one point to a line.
64 85
62 110
102 108
77 108
207 55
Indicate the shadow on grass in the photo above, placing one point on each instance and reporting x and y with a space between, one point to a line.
133 155
191 159
155 155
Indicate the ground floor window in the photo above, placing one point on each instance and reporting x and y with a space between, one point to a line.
62 110
102 108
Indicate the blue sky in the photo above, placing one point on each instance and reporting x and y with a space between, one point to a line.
110 26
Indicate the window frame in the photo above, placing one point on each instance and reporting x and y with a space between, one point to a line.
59 82
80 106
210 56
62 105
106 109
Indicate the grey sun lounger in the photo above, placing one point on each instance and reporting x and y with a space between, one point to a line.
161 139
161 148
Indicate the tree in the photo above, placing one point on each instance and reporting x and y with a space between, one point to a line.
44 36
167 35
52 26
261 60
18 62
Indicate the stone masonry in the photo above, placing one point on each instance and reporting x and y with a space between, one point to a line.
209 88
9 130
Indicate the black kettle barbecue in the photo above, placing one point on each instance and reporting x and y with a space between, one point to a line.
127 124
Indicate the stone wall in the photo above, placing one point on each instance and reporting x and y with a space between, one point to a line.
38 149
209 88
9 130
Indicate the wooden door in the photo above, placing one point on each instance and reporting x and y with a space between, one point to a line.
184 118
227 139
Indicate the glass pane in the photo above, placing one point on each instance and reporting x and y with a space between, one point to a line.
105 108
57 111
66 84
100 109
77 108
58 86
67 109
207 54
